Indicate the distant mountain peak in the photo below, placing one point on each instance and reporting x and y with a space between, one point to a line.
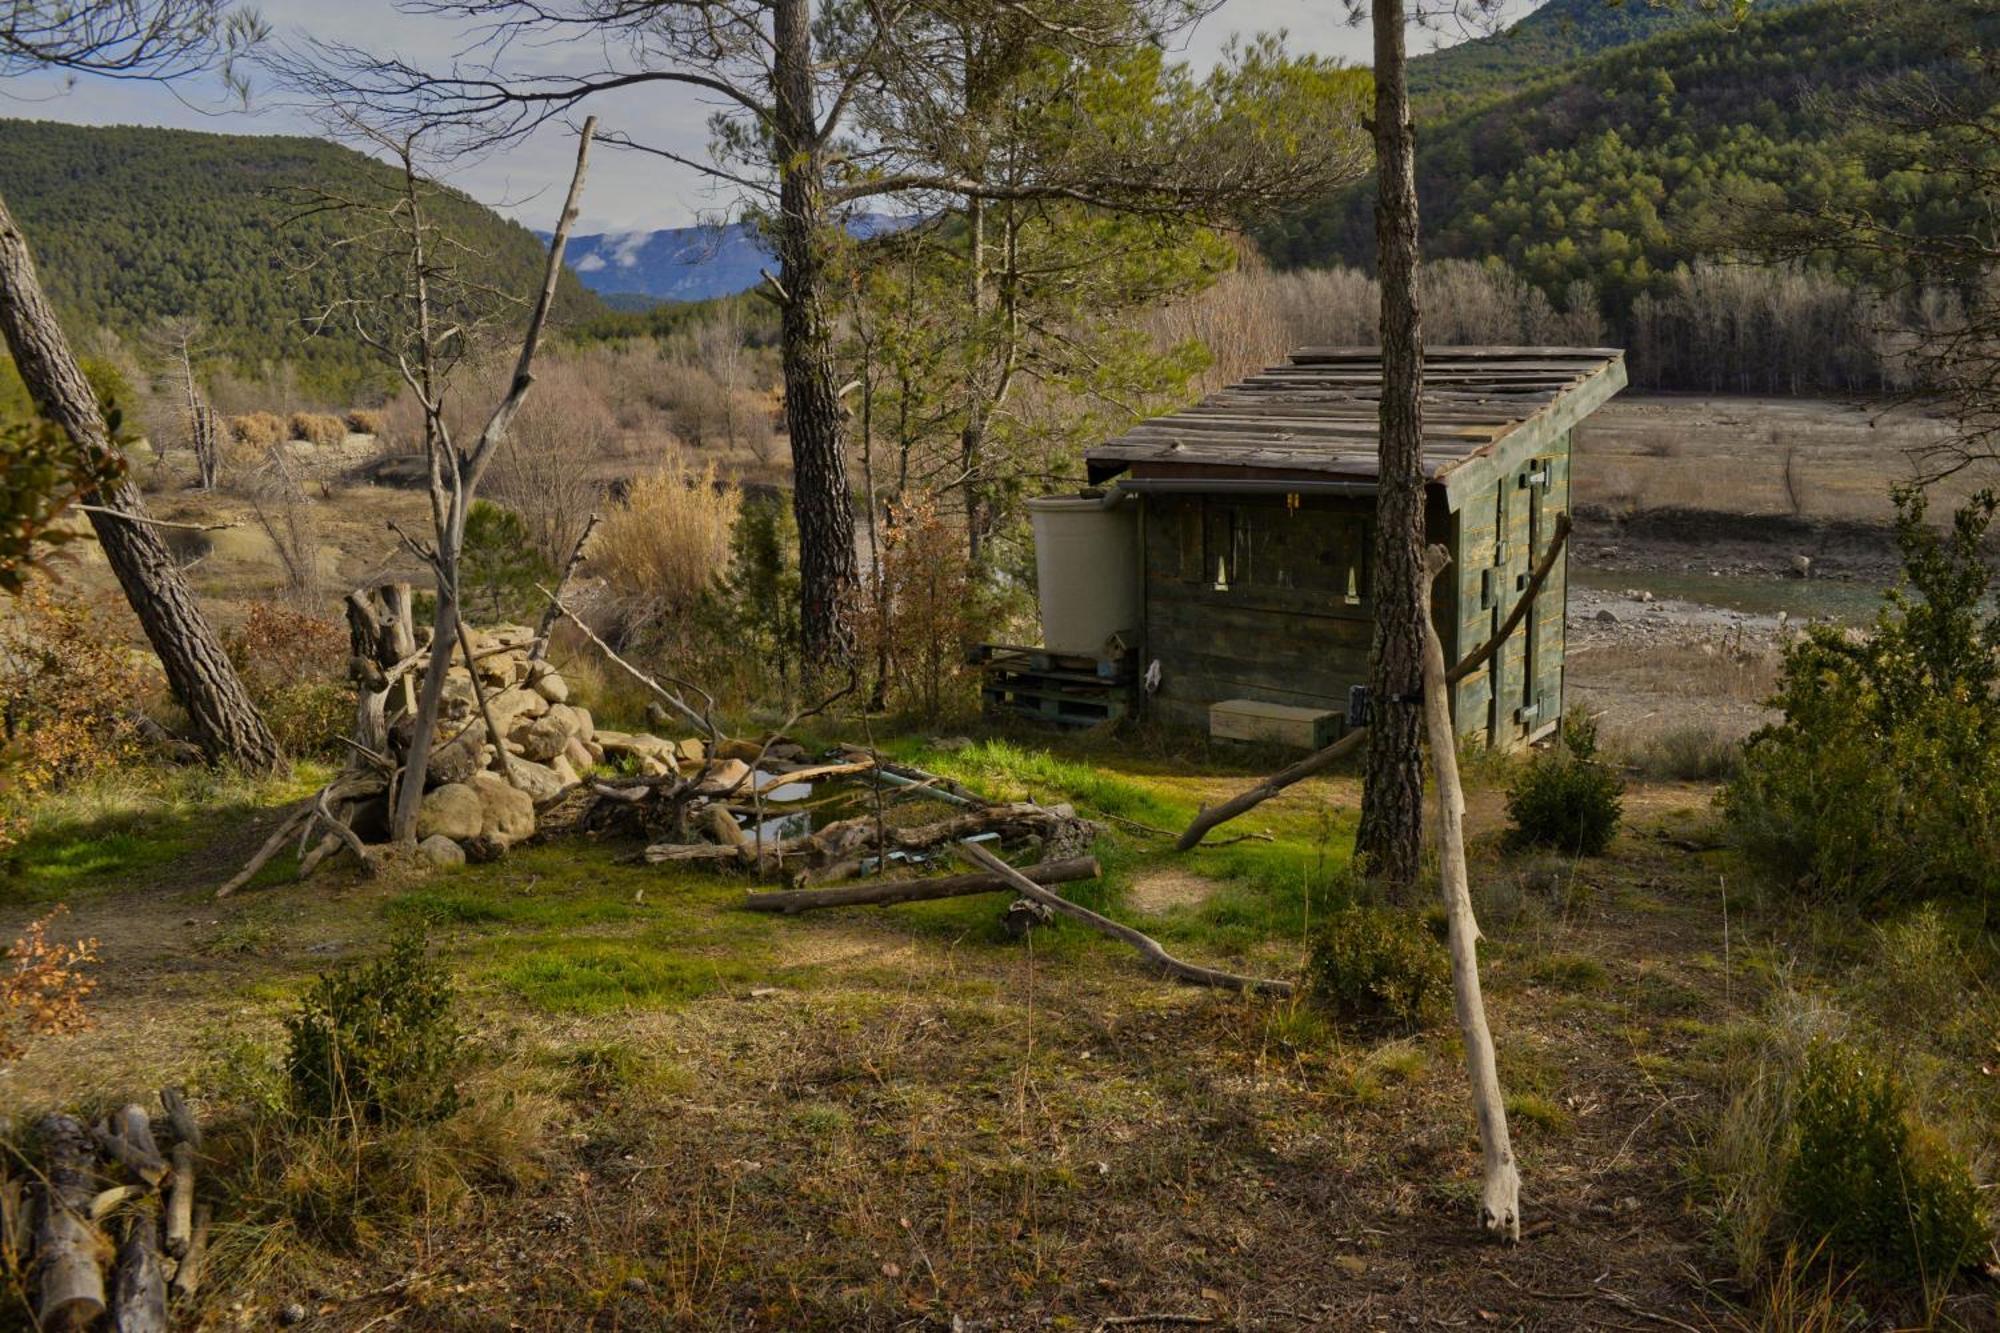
686 263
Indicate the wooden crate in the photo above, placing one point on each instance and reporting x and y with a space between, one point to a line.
1281 724
1059 688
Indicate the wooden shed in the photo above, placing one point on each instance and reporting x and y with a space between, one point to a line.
1256 533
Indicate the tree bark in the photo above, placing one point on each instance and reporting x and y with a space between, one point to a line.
226 724
821 498
1392 788
1500 1195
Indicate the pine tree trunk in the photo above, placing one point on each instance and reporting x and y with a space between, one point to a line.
821 497
1393 785
226 724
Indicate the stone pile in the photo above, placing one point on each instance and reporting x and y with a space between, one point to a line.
482 799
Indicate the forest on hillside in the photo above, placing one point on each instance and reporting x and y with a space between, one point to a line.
132 225
1606 183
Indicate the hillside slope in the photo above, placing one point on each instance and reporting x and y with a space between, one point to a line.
1557 35
1647 157
131 224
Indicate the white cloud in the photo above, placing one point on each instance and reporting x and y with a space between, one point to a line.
590 263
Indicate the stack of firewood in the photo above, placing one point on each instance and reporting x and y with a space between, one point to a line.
105 1223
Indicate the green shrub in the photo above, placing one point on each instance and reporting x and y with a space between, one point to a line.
1566 798
1375 966
1882 780
377 1043
1877 1188
499 567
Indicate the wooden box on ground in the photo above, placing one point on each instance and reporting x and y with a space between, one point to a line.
1279 724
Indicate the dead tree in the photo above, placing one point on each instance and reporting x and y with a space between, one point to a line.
423 330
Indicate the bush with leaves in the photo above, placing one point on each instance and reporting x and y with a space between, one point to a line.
499 567
43 987
929 612
1878 1188
1566 798
68 687
378 1042
757 603
1881 782
1379 967
293 664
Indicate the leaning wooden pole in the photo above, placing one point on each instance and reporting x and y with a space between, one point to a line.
1500 1197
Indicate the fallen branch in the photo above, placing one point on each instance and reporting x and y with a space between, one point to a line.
1320 760
880 893
152 522
674 701
1192 973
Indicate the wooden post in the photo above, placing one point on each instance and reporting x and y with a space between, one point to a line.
1500 1197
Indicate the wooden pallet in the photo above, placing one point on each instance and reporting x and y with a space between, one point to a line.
1063 689
1080 667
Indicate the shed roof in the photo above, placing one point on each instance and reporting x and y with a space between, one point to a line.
1316 415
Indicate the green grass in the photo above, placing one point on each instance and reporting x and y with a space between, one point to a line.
1569 971
119 827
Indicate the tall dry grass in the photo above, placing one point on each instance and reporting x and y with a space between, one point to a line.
667 543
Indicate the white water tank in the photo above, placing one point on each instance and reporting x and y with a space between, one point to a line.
1086 570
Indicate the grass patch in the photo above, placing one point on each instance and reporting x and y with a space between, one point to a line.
1569 971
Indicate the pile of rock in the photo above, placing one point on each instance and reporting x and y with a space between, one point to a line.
482 799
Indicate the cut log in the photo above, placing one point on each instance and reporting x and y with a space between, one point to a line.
186 1128
1500 1195
139 1289
180 1200
67 1247
187 1277
1192 973
127 1138
883 892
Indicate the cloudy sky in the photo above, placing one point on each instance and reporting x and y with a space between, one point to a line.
627 191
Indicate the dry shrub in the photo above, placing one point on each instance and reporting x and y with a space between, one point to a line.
257 431
67 686
363 421
664 548
43 987
317 428
545 472
285 512
931 610
292 664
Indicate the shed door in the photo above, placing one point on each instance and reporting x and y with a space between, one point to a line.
1525 666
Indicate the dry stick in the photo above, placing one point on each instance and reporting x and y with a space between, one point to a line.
1191 973
1320 760
272 845
1500 1194
181 1117
486 710
882 892
674 700
187 1278
127 1139
539 649
180 1200
345 834
150 521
